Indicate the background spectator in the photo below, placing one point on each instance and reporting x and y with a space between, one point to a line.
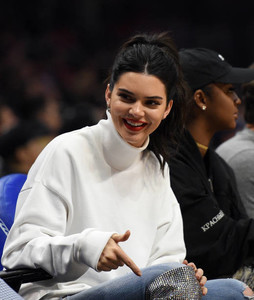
20 146
238 151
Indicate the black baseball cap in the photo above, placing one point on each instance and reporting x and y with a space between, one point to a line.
202 66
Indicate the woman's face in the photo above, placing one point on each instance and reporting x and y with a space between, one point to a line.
222 108
138 104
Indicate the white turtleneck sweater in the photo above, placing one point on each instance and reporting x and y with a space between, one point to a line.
83 187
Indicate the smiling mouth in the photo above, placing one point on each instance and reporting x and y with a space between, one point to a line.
134 125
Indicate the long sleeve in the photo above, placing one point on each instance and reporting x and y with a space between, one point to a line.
40 235
219 237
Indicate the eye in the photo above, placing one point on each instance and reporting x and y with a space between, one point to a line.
232 93
153 102
125 97
231 90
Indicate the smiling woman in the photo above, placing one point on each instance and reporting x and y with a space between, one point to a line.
138 104
94 188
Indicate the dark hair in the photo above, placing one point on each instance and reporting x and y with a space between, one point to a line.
157 55
248 99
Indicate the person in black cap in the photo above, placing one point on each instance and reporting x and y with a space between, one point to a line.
218 234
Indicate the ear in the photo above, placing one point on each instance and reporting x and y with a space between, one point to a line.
200 99
168 109
108 95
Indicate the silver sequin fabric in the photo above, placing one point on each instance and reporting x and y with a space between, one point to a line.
176 284
6 293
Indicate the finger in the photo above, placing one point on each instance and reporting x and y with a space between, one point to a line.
191 264
129 263
204 291
203 281
185 262
199 273
109 264
121 237
104 268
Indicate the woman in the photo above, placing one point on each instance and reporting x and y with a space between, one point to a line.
218 234
100 186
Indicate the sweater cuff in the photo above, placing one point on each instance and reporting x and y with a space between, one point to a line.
90 246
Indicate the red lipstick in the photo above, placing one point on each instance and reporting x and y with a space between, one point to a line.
134 125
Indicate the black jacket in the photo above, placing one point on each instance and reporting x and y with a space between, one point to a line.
218 234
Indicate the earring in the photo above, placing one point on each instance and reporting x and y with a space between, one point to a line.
203 107
108 109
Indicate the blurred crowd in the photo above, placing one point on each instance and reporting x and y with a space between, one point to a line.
54 59
47 84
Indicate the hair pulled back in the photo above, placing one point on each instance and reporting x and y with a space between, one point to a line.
157 55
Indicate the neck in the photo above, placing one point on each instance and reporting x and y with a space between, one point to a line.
201 135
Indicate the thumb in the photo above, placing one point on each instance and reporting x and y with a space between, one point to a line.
121 237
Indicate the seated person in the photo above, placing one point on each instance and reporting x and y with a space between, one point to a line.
219 235
238 151
97 210
20 146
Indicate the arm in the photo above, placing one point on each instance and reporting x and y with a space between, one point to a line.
43 233
213 238
38 238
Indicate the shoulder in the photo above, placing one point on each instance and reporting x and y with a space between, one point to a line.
236 149
66 148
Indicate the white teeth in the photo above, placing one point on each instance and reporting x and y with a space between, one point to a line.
134 124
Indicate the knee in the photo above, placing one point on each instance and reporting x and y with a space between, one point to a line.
228 289
178 283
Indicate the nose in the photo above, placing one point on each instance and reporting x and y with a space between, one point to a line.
238 101
137 110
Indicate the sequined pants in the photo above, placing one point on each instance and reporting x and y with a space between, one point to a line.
166 281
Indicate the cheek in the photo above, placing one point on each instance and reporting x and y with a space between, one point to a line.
157 117
117 107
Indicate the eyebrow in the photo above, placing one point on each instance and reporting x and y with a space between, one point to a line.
147 97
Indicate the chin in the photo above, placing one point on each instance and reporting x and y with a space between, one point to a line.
135 143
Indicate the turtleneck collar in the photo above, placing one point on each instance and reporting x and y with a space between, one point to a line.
117 152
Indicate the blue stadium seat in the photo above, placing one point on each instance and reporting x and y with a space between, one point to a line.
10 186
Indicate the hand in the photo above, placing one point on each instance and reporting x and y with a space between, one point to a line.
199 275
113 256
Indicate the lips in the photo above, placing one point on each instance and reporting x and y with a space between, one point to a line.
134 125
